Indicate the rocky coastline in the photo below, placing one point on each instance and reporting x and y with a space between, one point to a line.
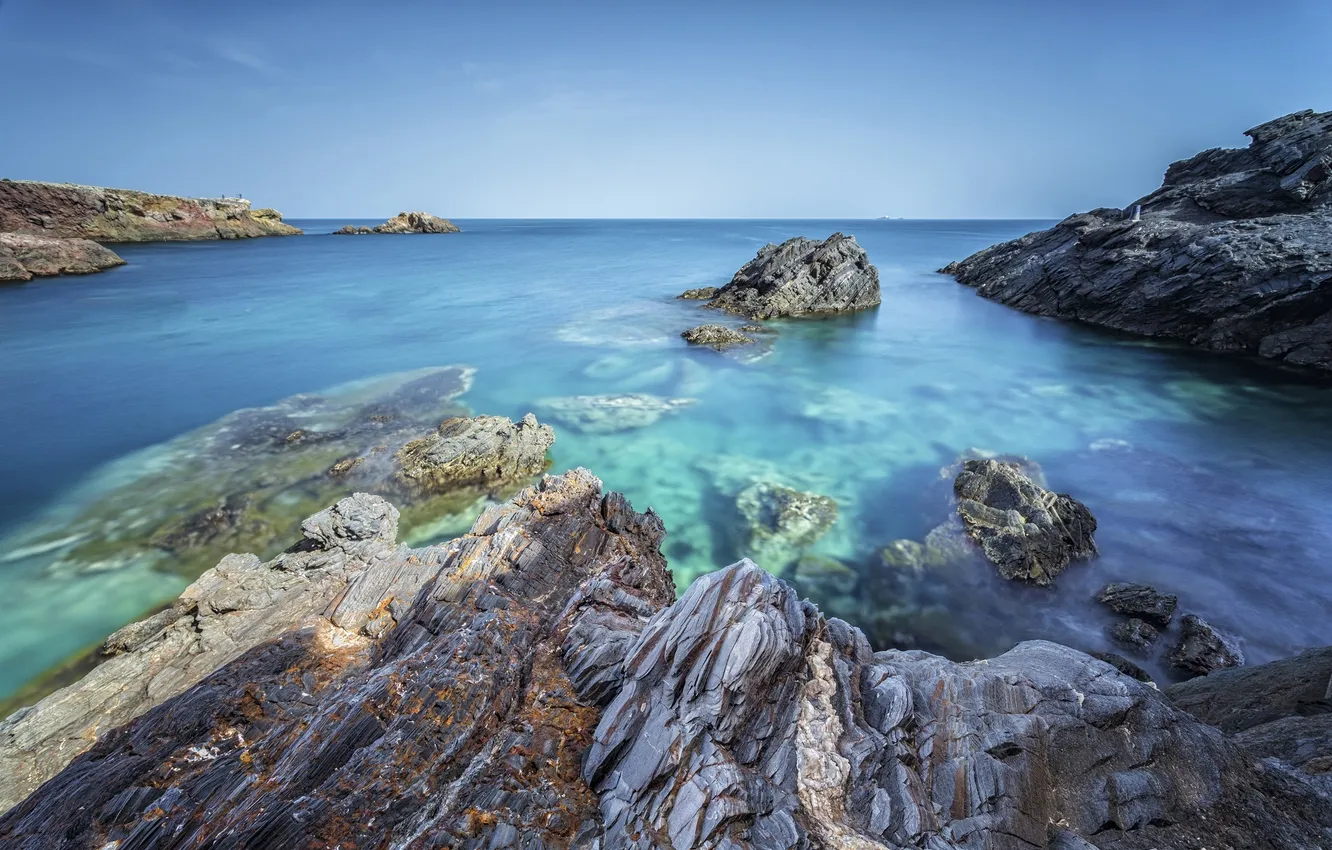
534 683
1232 254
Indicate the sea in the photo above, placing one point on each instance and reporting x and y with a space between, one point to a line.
1210 475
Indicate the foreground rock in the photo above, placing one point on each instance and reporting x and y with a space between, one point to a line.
404 222
1202 648
68 211
531 685
1233 253
799 277
1028 532
718 337
609 414
24 257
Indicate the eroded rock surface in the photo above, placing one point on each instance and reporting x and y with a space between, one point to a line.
403 222
474 450
1140 601
715 336
782 521
69 211
531 684
799 277
24 257
1203 648
1233 253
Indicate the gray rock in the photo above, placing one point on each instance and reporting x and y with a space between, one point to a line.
474 450
1241 698
715 336
1140 601
702 293
607 414
782 522
1134 634
1233 253
800 277
1028 532
24 257
1202 649
404 222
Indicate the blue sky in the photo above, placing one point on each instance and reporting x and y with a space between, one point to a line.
933 109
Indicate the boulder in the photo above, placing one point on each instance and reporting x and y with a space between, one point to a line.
1134 634
717 337
24 257
1202 648
352 230
1141 601
478 450
1233 253
1028 532
608 414
800 277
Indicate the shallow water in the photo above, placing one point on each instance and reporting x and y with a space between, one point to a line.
1210 476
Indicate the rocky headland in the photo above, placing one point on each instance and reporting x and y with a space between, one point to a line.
24 257
404 222
1233 253
534 683
69 211
797 278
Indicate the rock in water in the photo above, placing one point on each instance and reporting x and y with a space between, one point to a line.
702 293
800 277
466 451
24 257
404 222
532 685
1028 532
68 211
1141 601
1202 648
608 414
782 522
1233 253
1135 634
715 336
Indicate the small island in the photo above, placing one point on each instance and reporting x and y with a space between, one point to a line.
403 222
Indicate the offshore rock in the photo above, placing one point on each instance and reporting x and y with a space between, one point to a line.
702 293
1233 253
800 277
1135 634
1141 601
783 522
69 211
352 230
1202 648
1028 532
608 414
468 451
24 257
404 222
531 684
717 337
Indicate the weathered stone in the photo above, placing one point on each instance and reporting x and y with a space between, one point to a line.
800 277
481 449
702 293
1134 634
1141 601
68 211
1233 253
782 522
24 257
715 336
1202 649
1028 532
607 414
406 222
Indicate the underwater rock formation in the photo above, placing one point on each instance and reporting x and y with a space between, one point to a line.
24 257
715 336
1233 253
69 211
799 277
404 222
782 521
608 414
534 684
473 451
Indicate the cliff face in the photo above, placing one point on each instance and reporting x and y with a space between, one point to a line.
1233 253
64 210
534 684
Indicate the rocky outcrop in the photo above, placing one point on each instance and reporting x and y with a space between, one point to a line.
701 293
716 337
531 684
404 222
799 277
1233 253
609 414
24 257
1202 648
467 451
1028 532
68 211
1139 601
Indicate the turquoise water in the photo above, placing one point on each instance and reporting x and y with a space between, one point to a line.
1211 477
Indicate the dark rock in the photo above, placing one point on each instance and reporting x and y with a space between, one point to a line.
1233 253
715 336
1241 698
352 230
1134 634
1028 532
1140 601
800 277
783 522
24 257
1123 665
1202 649
702 293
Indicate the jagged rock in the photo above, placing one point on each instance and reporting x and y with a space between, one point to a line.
1123 665
69 211
1202 649
800 277
607 414
715 336
1135 634
531 685
1028 532
1233 253
403 222
481 449
702 293
782 521
24 257
1243 697
1141 601
352 230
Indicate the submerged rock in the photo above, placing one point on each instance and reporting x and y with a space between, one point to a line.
531 684
1135 634
1202 648
1141 601
24 257
782 522
800 277
404 222
1028 532
607 414
715 336
1233 253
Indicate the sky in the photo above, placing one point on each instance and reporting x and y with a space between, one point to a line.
995 109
